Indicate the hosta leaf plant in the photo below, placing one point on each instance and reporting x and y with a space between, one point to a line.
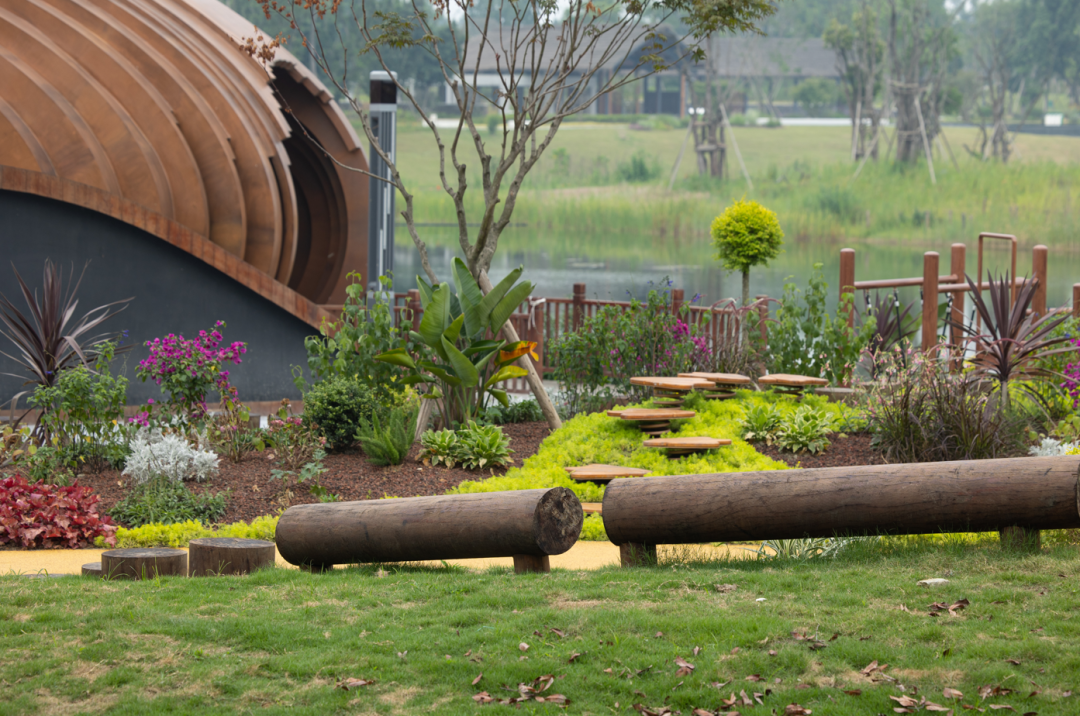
466 365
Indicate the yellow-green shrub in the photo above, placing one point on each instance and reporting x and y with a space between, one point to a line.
179 534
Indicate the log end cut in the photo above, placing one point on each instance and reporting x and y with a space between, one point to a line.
558 520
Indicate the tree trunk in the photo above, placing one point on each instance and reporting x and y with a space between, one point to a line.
211 556
746 287
533 378
143 563
534 523
969 496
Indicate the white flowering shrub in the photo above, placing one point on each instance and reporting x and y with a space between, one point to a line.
155 453
1050 447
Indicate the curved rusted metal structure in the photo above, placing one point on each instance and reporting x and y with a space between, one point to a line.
148 110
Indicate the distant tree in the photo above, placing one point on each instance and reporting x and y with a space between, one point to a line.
746 235
860 55
551 60
995 43
815 94
1050 42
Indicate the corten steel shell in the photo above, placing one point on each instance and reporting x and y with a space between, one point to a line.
154 103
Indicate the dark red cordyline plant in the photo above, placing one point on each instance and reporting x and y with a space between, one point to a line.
1011 338
40 515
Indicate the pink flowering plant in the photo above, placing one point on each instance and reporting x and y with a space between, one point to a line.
294 442
187 369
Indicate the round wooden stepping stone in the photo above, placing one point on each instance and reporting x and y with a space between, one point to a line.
682 384
719 378
143 563
655 421
92 569
602 474
592 508
687 445
791 384
212 556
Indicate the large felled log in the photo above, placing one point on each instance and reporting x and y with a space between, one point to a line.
143 563
211 556
527 523
1033 493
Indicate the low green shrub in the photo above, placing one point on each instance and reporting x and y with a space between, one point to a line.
760 423
483 446
805 429
439 446
592 529
338 405
390 444
525 411
179 534
167 501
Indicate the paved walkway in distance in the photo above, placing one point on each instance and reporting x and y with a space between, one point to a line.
583 555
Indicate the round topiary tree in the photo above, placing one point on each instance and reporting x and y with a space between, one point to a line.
746 235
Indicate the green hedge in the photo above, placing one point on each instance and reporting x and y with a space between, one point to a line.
179 534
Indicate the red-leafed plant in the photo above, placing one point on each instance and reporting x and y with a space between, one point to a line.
40 515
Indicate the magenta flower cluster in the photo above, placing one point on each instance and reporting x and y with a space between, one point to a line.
1072 377
188 369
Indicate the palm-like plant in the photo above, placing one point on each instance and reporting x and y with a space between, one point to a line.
50 339
1011 339
891 324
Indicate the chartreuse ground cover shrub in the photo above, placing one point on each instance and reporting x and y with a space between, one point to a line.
598 438
280 641
181 533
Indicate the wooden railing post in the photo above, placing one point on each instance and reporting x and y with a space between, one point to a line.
847 280
1076 300
957 259
536 332
930 300
414 308
579 305
676 300
1038 270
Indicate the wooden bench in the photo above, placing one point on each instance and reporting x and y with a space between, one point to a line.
677 447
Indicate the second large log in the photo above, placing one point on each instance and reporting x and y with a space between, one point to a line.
1036 493
525 523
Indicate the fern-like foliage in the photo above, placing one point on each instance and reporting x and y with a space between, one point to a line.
390 444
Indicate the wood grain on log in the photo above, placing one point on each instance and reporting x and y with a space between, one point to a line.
211 556
976 496
144 563
491 524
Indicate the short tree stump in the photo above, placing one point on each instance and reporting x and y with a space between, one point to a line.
212 556
143 563
92 569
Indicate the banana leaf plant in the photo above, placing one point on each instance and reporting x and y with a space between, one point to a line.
1012 340
466 366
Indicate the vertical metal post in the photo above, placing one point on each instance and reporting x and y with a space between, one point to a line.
930 301
383 114
847 280
1038 270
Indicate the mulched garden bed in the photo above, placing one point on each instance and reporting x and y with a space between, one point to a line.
843 452
253 493
349 474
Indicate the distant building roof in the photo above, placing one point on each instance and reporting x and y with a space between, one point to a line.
773 57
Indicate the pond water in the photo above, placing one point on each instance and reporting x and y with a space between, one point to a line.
610 275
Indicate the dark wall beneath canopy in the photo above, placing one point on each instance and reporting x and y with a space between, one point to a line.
174 292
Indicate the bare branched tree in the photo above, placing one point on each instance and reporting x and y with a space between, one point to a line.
994 43
860 58
534 62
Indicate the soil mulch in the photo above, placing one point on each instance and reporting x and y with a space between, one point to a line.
254 493
843 452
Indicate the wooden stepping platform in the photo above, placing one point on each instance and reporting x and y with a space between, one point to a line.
791 384
671 392
143 563
655 421
677 447
593 508
92 569
603 474
212 556
724 385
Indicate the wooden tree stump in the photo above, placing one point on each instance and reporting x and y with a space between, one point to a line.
92 569
143 563
211 556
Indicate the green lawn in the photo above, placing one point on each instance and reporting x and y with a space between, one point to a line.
280 640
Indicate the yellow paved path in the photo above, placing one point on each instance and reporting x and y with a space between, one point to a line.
583 555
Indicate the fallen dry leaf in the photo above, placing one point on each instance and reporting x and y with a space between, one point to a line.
952 693
853 692
696 650
654 711
659 634
1000 707
552 699
745 699
906 701
573 656
703 712
772 652
477 679
754 677
685 667
1014 662
351 683
931 706
725 588
870 668
523 646
835 636
559 633
796 710
483 698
